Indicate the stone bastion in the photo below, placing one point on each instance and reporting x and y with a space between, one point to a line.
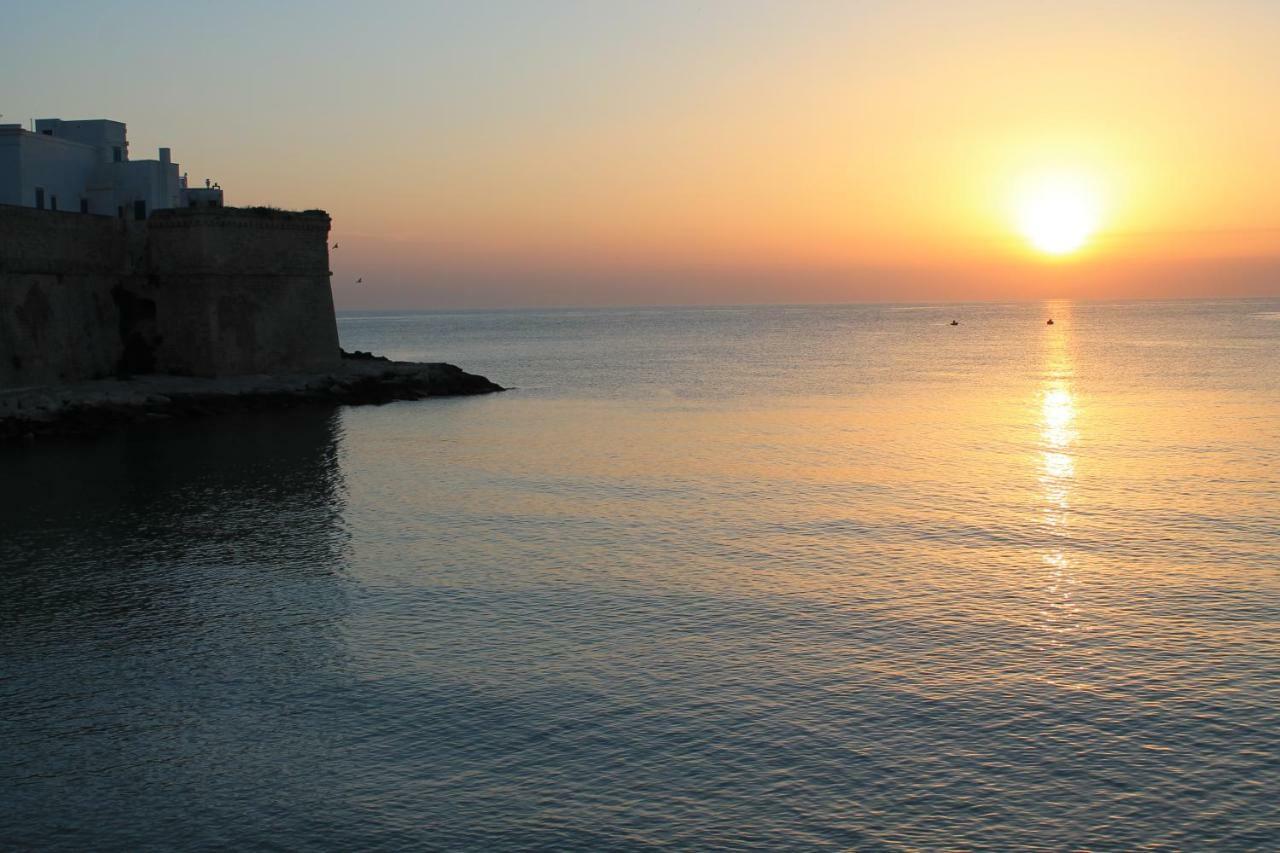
190 292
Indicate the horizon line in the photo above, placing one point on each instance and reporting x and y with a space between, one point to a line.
740 305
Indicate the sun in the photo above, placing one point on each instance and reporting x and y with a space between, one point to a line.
1057 212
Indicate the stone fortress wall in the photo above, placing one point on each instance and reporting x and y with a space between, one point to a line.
190 291
58 317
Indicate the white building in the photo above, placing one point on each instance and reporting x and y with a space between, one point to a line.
84 166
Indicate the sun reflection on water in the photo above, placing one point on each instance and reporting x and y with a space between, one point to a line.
1057 474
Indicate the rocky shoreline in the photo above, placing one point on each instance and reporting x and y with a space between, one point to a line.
88 408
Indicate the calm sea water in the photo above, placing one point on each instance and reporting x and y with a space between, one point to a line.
796 578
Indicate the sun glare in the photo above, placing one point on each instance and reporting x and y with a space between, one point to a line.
1057 213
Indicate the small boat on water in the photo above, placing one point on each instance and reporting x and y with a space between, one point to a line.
957 322
1049 322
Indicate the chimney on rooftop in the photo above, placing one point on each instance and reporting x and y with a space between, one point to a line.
164 156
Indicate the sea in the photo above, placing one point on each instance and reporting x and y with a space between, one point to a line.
747 578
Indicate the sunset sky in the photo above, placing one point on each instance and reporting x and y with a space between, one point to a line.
478 154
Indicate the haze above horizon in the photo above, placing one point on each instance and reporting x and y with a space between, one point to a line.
604 153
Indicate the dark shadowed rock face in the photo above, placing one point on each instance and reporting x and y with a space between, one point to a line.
361 355
91 407
419 382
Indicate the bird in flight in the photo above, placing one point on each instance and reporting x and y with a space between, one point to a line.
335 245
359 280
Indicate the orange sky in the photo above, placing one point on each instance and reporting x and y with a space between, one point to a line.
738 151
